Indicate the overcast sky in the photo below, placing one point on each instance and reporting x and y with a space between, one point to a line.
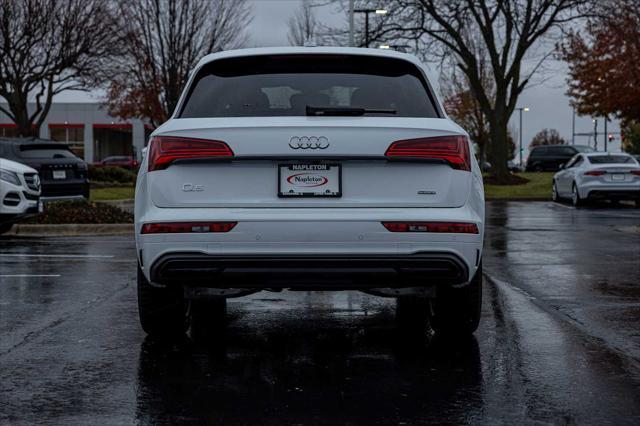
549 107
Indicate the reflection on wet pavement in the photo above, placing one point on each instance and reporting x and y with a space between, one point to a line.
71 350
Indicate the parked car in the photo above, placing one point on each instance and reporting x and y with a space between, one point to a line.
63 175
550 157
19 193
513 167
298 168
598 175
119 161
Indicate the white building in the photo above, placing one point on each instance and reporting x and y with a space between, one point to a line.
89 130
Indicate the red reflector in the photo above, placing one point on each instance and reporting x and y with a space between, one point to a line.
187 227
165 150
635 172
594 173
446 227
452 149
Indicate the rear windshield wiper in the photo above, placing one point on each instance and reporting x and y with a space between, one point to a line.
346 111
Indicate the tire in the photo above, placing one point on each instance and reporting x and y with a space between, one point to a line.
5 227
457 310
554 192
575 196
163 311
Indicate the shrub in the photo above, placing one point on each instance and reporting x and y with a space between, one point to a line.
80 212
111 174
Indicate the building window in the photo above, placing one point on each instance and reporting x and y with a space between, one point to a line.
71 134
112 140
9 130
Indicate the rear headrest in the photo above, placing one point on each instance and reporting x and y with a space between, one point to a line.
301 100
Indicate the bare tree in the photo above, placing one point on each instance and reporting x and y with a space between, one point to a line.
303 25
163 41
506 32
463 107
47 47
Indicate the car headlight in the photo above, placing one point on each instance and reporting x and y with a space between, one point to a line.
9 176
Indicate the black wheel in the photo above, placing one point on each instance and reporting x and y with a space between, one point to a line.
575 196
457 310
5 227
554 192
162 309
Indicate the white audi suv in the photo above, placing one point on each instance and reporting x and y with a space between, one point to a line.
309 169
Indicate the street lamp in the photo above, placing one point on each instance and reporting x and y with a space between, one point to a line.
366 20
525 109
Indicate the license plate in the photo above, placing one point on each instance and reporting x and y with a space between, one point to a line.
617 176
40 206
309 180
59 174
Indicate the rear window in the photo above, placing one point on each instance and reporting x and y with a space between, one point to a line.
538 152
44 151
611 159
284 85
583 148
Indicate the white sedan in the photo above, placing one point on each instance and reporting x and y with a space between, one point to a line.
598 175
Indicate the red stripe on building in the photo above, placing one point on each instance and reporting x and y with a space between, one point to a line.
66 126
113 126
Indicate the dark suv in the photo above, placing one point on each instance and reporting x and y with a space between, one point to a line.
63 175
551 157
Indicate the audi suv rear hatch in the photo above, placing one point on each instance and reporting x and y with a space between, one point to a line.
324 130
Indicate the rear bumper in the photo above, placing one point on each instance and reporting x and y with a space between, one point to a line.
342 272
607 190
61 190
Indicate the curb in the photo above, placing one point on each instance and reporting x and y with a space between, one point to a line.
516 199
71 230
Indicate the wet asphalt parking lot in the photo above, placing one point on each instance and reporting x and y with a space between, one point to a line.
559 341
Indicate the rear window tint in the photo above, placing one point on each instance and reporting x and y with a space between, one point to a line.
538 152
611 159
45 151
583 148
284 85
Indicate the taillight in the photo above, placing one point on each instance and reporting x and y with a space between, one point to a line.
167 149
187 227
446 227
594 173
452 149
635 172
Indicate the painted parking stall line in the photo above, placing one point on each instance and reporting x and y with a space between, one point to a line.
64 256
31 276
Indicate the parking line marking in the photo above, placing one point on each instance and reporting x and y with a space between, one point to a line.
30 276
58 255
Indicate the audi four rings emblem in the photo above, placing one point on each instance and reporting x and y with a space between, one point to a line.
309 142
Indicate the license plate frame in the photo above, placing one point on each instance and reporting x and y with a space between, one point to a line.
331 171
59 174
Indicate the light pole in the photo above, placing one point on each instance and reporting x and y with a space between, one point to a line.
366 21
525 109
